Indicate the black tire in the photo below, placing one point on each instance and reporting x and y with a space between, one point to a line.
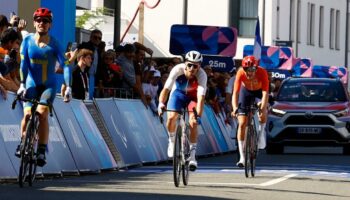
177 157
25 156
186 167
274 148
254 151
247 148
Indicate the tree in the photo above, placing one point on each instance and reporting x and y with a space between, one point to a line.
90 19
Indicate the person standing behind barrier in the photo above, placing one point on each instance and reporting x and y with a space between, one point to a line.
80 78
189 91
125 60
95 40
39 53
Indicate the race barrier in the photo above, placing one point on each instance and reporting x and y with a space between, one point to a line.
76 144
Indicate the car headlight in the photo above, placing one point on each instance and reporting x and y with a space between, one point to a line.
341 113
278 112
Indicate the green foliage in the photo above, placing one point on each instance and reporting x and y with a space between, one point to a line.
90 18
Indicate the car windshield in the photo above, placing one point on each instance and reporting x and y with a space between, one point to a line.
311 92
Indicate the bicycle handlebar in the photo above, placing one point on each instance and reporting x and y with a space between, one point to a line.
33 101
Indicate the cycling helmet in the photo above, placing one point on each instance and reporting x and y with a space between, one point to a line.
194 56
249 61
43 12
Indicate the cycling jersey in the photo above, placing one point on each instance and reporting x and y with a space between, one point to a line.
37 67
252 88
184 90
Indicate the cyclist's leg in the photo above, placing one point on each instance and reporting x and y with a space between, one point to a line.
262 115
193 137
47 96
31 93
175 103
243 102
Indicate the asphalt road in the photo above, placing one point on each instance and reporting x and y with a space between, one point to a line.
317 173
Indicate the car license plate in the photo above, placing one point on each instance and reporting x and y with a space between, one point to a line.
308 130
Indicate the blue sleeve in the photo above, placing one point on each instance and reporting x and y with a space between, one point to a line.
63 61
25 62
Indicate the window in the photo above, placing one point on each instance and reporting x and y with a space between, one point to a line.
248 17
321 27
337 30
311 24
331 29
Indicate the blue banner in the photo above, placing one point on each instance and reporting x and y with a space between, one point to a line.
219 63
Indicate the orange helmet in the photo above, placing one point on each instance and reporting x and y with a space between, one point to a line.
249 61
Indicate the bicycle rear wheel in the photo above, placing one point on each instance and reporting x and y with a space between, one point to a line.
186 167
177 157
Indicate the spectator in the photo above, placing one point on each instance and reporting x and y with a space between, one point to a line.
19 25
4 23
3 92
125 60
151 90
80 79
9 62
96 47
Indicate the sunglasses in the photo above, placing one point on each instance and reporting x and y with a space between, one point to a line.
191 65
44 21
97 37
250 69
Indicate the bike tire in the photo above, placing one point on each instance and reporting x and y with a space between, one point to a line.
25 156
177 157
186 167
247 148
254 150
33 153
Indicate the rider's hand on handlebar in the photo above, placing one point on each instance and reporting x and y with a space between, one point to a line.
161 107
67 94
234 112
22 90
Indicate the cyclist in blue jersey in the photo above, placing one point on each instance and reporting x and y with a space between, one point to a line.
39 53
187 83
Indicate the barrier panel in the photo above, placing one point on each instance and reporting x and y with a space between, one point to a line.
226 130
122 139
136 122
98 146
10 137
212 129
82 155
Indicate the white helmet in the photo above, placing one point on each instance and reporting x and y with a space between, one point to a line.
194 56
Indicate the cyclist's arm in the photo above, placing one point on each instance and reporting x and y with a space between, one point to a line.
63 61
169 83
265 89
201 91
25 61
164 95
236 89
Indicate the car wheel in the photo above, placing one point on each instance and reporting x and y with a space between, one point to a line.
274 149
346 149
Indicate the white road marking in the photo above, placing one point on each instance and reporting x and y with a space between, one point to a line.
277 180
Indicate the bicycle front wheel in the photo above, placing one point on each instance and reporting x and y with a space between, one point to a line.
177 157
186 167
26 152
247 148
253 150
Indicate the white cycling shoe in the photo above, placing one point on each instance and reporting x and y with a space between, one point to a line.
170 149
240 163
193 165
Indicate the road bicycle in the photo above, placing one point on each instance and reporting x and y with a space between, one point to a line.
251 141
29 143
181 154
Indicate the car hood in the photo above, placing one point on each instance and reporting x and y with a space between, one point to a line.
321 106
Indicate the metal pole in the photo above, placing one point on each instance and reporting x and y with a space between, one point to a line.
141 22
117 10
185 12
346 33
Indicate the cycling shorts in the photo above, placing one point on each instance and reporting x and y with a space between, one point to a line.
41 93
246 99
178 100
